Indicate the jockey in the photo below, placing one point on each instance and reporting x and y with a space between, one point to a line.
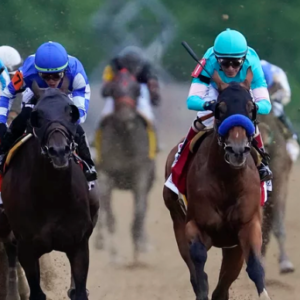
230 57
11 58
133 60
280 94
47 68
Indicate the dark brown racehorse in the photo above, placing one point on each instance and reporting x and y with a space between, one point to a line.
223 193
46 196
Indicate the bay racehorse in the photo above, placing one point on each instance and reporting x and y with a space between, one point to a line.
46 196
223 194
126 151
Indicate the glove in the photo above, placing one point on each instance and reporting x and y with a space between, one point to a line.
3 129
210 105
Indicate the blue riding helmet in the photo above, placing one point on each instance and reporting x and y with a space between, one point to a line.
230 43
51 57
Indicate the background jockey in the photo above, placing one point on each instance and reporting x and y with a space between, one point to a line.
230 57
11 58
47 68
280 94
133 59
4 76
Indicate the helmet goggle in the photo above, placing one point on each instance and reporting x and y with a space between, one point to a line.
52 76
235 63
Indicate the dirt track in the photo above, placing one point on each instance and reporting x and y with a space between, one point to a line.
163 274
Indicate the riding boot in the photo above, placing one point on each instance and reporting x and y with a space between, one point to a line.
288 125
264 171
84 153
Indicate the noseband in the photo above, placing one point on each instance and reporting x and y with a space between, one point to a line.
70 141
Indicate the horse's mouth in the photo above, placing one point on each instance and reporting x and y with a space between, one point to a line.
60 163
235 162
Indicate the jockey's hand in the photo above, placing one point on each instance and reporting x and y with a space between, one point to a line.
154 91
3 129
210 105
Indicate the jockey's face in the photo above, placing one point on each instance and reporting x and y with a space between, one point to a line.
52 79
231 66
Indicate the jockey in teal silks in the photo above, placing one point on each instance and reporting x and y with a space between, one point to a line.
230 57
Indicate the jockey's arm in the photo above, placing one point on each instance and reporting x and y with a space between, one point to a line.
81 92
107 77
4 77
7 95
260 91
81 98
283 94
198 90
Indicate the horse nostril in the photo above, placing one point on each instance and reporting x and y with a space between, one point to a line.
67 149
51 151
229 149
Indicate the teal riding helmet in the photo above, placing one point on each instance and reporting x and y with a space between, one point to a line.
230 43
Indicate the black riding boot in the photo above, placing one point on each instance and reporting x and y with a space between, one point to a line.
84 153
16 129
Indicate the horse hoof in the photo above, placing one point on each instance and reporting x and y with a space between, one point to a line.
71 293
286 267
264 295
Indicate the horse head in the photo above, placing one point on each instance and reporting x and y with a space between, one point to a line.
235 115
54 121
125 91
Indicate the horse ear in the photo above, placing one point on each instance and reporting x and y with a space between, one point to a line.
34 119
37 91
65 85
74 113
248 80
219 82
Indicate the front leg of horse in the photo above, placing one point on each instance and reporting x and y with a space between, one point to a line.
250 237
198 253
138 227
79 261
105 213
30 263
11 251
285 264
231 266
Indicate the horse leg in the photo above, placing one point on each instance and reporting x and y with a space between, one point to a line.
198 253
250 237
232 264
30 263
140 208
267 225
183 245
22 283
11 251
79 261
279 229
105 189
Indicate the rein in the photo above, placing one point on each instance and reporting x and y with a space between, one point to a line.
71 143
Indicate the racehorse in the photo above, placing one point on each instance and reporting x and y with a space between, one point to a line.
274 209
223 194
46 196
126 153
